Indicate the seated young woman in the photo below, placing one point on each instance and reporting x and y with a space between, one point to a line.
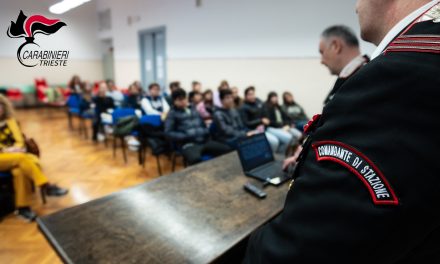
25 167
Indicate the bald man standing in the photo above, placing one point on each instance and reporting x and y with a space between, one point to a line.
367 182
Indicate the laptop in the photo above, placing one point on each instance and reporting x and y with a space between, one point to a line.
257 160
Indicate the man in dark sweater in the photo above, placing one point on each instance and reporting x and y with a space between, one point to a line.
252 110
229 127
185 127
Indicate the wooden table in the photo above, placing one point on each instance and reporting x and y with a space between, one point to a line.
192 216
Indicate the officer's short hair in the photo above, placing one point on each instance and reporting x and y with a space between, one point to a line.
343 32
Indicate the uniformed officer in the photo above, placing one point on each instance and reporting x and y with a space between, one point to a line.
367 182
340 53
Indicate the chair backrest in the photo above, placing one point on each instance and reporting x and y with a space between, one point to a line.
153 120
40 82
73 101
14 94
119 113
5 174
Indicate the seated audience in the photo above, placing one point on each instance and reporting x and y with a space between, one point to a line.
75 85
173 86
186 128
134 97
196 99
154 103
228 127
25 167
103 104
196 88
294 111
206 107
223 86
114 93
252 114
138 86
86 105
280 124
238 101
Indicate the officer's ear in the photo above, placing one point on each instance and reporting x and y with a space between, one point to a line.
336 46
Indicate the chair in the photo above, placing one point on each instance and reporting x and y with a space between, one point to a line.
7 204
8 174
177 152
85 115
41 87
117 114
72 103
14 94
157 146
82 125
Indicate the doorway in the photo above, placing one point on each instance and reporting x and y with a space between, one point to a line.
153 57
107 59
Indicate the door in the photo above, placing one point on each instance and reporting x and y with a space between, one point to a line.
153 57
107 59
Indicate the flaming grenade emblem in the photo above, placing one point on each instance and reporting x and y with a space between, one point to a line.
28 27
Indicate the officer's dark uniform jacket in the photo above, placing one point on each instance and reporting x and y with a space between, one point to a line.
341 79
367 185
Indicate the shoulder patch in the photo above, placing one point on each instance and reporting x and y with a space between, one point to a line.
357 163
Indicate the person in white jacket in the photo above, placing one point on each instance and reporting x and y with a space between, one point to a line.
154 104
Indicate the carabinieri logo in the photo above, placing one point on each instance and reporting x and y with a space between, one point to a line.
28 27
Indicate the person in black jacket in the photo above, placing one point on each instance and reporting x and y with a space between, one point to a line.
186 128
280 124
366 182
168 97
134 97
228 126
294 111
102 104
253 118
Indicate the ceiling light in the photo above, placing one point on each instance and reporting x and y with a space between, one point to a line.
65 5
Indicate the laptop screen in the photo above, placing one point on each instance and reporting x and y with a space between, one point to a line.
254 151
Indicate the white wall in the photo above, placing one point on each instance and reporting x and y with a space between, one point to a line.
272 44
230 28
79 37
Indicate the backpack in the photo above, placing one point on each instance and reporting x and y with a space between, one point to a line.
125 126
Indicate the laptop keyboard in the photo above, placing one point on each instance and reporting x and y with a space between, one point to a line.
270 171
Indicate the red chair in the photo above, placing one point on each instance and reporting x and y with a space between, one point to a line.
66 93
41 87
14 94
96 87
